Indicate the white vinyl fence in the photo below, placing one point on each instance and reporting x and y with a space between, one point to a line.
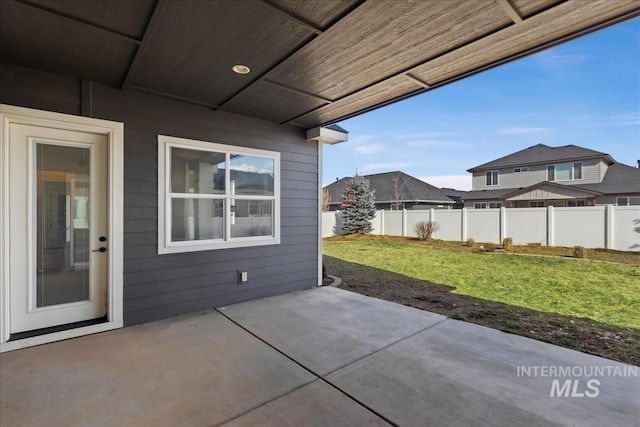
607 226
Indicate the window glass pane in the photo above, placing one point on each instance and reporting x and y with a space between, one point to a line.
622 201
197 219
551 176
252 218
252 175
577 171
634 201
196 171
563 171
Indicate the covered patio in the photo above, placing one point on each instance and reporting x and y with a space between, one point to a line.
319 357
155 94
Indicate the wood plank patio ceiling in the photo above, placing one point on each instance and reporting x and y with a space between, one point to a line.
313 62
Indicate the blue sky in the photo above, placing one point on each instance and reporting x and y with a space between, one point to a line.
585 92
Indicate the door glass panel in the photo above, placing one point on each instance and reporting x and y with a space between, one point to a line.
62 246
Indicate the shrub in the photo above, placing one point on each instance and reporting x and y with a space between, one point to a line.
507 244
471 242
426 229
579 252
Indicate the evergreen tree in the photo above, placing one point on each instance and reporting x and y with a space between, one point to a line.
358 206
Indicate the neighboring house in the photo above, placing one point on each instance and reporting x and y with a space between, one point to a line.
395 191
541 176
456 195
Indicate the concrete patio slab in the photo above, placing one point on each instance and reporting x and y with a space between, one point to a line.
385 363
196 370
316 404
458 373
325 329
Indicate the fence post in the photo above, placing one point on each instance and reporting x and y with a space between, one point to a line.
404 222
503 223
549 225
463 231
608 227
432 217
381 212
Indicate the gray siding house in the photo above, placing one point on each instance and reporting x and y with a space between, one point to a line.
395 191
541 176
159 157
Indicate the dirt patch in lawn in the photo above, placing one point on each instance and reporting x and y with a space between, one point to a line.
586 335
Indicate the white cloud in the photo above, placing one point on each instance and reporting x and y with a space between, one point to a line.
521 130
621 119
369 148
432 143
628 119
553 59
383 167
244 167
459 182
362 138
426 135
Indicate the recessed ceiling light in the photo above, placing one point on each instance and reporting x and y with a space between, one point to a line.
241 69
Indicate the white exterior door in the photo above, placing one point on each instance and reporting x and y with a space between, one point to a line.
58 246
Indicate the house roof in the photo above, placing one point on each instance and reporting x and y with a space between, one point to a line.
455 195
487 194
619 179
312 63
547 184
541 153
407 189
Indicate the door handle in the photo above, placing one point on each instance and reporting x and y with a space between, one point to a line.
102 249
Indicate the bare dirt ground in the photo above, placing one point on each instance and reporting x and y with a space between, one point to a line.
582 334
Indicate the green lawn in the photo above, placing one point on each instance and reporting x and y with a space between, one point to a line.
605 292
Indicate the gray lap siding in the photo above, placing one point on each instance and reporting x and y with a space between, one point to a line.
159 286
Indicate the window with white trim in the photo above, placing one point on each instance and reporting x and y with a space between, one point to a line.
575 203
536 204
521 169
215 196
628 201
491 178
480 205
495 205
564 172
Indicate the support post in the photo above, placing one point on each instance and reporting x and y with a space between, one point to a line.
549 225
404 222
463 222
503 224
608 227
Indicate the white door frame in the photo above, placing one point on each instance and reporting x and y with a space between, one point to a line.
114 131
